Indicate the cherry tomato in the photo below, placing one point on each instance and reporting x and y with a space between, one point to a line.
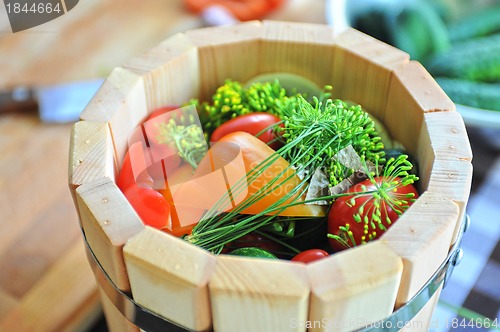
150 205
253 124
310 255
138 168
148 164
354 224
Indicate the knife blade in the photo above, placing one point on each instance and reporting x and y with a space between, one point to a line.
59 103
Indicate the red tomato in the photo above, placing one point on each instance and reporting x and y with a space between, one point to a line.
253 124
126 177
354 224
138 168
150 205
310 255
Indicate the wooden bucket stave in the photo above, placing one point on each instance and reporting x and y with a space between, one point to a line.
224 294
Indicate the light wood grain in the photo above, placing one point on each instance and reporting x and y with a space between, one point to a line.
249 294
26 148
68 282
422 237
108 221
89 41
38 231
7 302
448 136
120 101
46 54
227 52
412 93
29 256
449 170
362 70
170 277
91 154
298 48
452 168
453 180
354 288
170 72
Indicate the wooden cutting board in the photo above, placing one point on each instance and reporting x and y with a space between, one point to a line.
98 35
88 41
45 281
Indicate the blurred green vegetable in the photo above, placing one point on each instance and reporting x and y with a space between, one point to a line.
475 60
474 94
482 23
419 30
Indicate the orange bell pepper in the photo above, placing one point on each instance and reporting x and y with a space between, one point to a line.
254 152
234 156
180 175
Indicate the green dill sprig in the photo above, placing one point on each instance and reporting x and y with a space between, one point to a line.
232 99
347 124
265 97
188 140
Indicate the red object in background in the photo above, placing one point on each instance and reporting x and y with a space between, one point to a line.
244 10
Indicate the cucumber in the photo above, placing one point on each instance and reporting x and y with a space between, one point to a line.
475 60
482 23
474 94
253 252
419 30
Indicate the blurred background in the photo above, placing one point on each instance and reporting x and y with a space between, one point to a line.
49 72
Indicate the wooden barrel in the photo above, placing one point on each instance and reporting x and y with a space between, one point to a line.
191 289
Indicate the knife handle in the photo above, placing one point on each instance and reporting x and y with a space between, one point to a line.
18 100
